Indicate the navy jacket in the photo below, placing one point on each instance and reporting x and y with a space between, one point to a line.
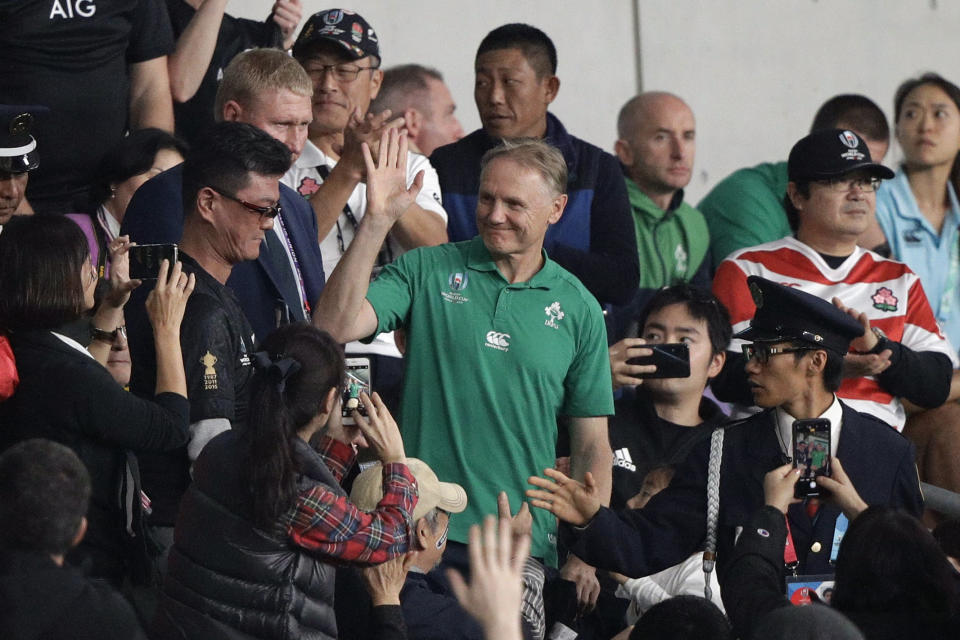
594 239
878 460
155 215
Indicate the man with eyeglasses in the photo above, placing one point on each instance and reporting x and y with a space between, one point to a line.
794 364
340 52
902 355
230 180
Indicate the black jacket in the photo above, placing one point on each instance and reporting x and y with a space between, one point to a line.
69 397
878 460
228 579
41 601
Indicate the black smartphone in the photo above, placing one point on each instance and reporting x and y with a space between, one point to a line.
672 360
811 454
358 380
145 259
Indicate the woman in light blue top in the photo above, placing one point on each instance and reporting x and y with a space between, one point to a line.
918 210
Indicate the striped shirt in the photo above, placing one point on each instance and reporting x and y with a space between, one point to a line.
886 290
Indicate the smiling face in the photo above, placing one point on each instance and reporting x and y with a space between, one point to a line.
928 129
511 99
673 324
335 98
514 209
239 229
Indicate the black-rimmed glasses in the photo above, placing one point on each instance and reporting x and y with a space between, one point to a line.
263 212
762 352
342 72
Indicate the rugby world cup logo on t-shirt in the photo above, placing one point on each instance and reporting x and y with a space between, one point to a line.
457 282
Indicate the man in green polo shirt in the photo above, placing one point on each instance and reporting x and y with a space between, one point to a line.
501 341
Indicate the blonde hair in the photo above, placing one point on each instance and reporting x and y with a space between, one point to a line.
531 153
257 71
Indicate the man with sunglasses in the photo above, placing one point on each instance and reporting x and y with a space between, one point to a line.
340 52
794 365
902 355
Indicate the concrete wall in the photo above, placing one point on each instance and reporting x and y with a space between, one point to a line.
754 71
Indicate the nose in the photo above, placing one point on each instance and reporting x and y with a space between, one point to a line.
752 365
266 223
326 80
495 94
458 131
295 139
11 188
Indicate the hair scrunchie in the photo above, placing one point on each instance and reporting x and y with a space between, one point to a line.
278 369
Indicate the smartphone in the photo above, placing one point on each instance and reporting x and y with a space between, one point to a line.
145 259
358 380
672 360
811 454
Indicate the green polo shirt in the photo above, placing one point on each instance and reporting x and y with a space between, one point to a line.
489 367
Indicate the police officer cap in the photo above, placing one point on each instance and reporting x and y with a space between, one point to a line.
786 313
18 149
831 153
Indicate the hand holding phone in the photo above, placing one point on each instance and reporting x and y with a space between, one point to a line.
145 259
357 382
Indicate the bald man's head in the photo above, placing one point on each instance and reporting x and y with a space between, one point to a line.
657 143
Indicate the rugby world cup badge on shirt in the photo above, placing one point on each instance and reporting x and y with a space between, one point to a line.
457 282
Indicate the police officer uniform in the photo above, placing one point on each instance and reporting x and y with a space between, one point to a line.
18 149
878 460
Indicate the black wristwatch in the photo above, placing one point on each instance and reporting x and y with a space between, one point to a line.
103 336
882 341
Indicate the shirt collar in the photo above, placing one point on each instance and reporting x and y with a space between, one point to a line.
70 342
479 259
784 420
640 200
311 156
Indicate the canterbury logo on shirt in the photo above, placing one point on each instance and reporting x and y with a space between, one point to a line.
498 341
621 458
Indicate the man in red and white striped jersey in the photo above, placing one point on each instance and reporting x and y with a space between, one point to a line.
830 202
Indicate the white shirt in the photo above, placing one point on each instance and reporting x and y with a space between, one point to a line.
834 414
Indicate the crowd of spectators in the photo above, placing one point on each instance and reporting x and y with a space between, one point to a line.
604 386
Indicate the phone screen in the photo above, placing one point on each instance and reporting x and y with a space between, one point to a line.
145 259
357 382
811 454
671 359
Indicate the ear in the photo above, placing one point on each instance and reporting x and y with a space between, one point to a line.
424 533
376 79
716 364
552 88
232 111
623 152
204 204
817 363
330 401
559 204
413 120
81 531
794 194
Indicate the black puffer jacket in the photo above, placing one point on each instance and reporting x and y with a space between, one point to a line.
228 579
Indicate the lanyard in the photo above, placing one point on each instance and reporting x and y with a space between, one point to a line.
296 267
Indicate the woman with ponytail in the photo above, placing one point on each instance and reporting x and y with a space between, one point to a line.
265 518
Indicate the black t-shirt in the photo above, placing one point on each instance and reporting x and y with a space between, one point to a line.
217 343
72 56
642 441
236 36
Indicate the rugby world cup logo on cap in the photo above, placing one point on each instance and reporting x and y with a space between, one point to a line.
850 140
334 16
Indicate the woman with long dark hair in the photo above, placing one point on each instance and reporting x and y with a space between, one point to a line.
265 517
66 395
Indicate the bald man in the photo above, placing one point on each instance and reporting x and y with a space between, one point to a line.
656 146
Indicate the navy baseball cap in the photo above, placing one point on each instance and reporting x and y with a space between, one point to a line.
342 26
831 153
789 314
18 148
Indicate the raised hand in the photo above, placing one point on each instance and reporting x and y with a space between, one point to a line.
287 14
168 300
380 430
365 129
120 283
387 193
564 497
626 374
384 581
